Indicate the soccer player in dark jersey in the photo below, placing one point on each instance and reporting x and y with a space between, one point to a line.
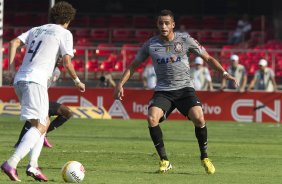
63 114
170 53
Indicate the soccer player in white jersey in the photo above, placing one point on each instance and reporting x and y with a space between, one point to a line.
62 112
169 51
44 44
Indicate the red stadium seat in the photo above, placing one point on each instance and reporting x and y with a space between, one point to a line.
5 64
83 42
8 33
190 22
80 52
116 21
211 22
122 35
98 21
141 35
104 50
19 31
205 36
92 66
82 33
219 36
230 23
23 19
129 49
106 66
193 34
100 34
118 66
142 21
5 48
78 65
81 21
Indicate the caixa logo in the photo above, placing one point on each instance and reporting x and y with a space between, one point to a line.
168 60
258 108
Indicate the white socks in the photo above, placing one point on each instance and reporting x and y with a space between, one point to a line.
28 141
35 152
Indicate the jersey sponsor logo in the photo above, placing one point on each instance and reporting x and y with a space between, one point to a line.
178 47
168 60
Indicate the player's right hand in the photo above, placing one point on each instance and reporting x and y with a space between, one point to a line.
81 86
118 93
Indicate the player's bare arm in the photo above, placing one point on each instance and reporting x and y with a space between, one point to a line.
274 83
69 67
217 66
118 93
13 46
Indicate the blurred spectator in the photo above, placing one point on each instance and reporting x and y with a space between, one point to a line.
106 80
182 28
264 78
149 77
243 27
239 72
201 76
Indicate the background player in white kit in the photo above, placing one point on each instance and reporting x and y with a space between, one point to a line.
174 89
44 44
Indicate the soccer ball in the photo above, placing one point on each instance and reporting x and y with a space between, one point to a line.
73 172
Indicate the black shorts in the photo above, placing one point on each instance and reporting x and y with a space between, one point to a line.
182 99
53 108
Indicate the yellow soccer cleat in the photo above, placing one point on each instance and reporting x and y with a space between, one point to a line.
206 163
165 166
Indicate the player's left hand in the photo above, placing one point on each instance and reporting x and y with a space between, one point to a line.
118 93
230 77
81 86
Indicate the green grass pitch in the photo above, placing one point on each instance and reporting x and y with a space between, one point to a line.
121 152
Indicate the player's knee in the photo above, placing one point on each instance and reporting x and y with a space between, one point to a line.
68 114
153 120
198 120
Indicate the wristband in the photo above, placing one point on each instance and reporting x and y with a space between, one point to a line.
225 73
76 80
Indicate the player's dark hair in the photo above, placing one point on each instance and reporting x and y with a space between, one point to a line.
61 13
166 12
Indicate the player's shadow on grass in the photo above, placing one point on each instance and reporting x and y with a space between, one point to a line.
172 172
155 172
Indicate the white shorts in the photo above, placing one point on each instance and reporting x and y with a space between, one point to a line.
34 101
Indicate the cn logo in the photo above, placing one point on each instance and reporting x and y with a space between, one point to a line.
259 109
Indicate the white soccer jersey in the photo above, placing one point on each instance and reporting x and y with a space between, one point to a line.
44 44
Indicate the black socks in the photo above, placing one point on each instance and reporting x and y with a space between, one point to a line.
157 138
202 136
58 121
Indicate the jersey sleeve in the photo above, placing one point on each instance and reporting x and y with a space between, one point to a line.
24 37
143 53
194 46
66 45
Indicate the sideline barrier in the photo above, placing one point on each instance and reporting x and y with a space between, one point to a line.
225 106
12 109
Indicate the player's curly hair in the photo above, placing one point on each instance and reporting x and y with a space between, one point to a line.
166 12
61 13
